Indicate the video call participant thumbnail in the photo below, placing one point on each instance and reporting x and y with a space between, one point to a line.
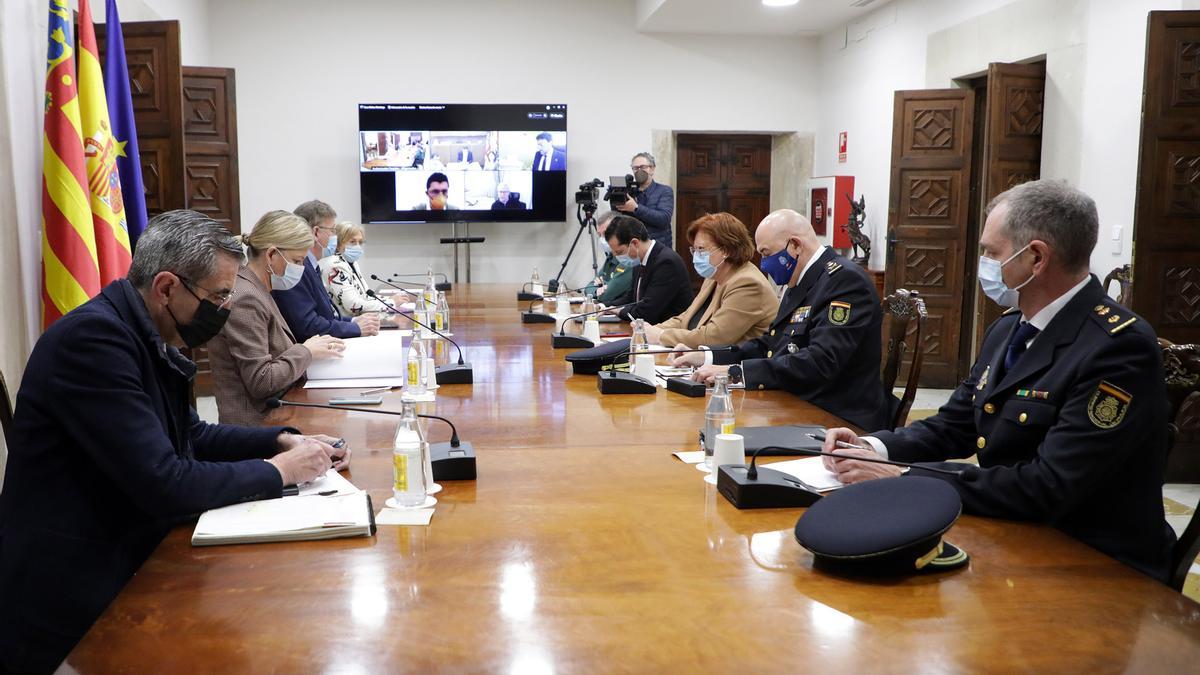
437 193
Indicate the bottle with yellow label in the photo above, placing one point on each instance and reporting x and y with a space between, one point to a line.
718 417
442 317
408 470
416 367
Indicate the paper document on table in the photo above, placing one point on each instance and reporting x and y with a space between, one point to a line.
810 470
356 383
299 518
404 517
375 356
332 480
690 456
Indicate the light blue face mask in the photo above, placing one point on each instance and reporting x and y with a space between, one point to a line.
331 247
605 247
627 261
353 253
292 273
700 261
991 280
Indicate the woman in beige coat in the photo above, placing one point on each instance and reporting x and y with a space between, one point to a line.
735 302
255 356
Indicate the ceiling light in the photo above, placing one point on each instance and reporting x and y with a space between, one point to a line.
779 3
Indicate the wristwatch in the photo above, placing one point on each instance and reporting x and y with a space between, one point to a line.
735 374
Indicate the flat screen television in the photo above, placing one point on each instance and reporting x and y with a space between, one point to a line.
432 163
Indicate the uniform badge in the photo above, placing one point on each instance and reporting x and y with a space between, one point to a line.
983 379
839 313
832 266
1108 405
800 314
792 348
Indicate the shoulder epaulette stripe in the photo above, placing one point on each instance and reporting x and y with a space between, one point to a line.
1121 327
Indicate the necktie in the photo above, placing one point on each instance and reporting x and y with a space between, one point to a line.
1016 346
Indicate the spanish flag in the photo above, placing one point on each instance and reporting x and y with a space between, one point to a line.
70 273
101 149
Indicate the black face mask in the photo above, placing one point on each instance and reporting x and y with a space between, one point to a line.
208 320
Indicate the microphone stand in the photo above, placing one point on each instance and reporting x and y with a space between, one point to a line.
450 373
530 316
443 285
454 460
561 340
614 381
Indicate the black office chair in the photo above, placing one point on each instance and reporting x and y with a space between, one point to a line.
903 309
6 412
1181 365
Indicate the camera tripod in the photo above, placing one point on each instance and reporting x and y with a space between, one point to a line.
585 213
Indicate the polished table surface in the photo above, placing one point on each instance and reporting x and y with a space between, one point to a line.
585 546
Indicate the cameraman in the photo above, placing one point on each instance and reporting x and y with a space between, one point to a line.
655 202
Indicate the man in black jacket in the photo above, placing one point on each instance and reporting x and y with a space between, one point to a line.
1065 406
660 281
107 452
824 344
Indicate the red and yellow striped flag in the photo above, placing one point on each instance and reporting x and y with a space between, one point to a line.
101 151
70 273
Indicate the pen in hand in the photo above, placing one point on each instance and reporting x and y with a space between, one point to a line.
839 444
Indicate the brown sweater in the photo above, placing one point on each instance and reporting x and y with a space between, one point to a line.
254 357
741 309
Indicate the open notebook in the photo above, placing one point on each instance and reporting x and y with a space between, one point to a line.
309 516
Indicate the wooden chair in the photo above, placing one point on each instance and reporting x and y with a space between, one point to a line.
1123 275
903 309
1181 365
6 412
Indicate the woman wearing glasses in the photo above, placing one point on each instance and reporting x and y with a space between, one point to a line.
735 302
255 356
342 279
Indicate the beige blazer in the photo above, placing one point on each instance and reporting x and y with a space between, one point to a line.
742 308
254 357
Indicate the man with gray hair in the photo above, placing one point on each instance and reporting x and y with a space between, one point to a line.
654 203
107 453
1065 406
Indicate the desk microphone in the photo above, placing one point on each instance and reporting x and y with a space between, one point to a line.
451 461
460 373
395 286
614 381
530 316
561 340
443 285
525 294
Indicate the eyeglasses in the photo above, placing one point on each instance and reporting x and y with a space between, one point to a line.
697 249
439 192
639 167
328 228
222 298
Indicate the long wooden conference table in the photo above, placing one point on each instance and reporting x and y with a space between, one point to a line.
585 546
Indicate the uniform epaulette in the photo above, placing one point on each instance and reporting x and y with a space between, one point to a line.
1010 310
1112 317
832 266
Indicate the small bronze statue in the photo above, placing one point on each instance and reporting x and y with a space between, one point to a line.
854 226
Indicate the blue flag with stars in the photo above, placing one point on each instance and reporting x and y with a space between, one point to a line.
124 131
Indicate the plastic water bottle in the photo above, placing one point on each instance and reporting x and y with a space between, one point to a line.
535 283
408 465
416 367
442 316
718 417
430 294
638 342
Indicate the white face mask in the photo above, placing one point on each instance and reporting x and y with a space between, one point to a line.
991 280
292 274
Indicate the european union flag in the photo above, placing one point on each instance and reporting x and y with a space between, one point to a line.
124 130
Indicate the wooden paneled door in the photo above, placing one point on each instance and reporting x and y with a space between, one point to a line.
152 53
927 217
716 173
1166 256
1011 154
210 142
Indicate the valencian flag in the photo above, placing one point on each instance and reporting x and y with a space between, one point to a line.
100 151
120 114
70 274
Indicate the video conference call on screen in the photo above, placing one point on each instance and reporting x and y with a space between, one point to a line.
475 163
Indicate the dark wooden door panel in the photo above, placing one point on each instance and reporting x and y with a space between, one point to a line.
699 162
927 217
1166 260
748 164
210 138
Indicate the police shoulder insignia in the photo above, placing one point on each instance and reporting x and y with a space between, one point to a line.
839 312
832 266
1112 318
1108 405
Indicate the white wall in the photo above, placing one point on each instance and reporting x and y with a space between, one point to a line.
1095 51
303 66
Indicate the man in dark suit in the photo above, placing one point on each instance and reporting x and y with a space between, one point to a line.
825 343
107 453
307 307
548 157
1066 405
506 199
660 281
465 155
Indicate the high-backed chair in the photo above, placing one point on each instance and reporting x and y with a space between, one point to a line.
6 412
1123 275
904 314
1181 365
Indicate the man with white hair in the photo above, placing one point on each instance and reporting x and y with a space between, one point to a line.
506 199
824 344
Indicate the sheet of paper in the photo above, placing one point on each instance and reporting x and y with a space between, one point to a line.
282 515
404 516
810 471
332 480
376 356
690 457
361 383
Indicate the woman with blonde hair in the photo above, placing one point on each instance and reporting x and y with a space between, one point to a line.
255 357
342 279
735 302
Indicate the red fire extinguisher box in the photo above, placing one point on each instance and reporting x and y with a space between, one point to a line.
829 208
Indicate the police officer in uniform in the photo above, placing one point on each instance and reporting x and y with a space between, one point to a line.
1066 406
824 344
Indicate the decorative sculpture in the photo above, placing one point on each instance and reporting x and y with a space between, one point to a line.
854 226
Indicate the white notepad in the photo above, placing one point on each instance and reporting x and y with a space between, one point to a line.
810 470
375 356
301 518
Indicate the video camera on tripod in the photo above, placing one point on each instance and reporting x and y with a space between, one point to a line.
620 189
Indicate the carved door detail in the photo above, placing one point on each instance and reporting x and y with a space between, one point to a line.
210 135
927 217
